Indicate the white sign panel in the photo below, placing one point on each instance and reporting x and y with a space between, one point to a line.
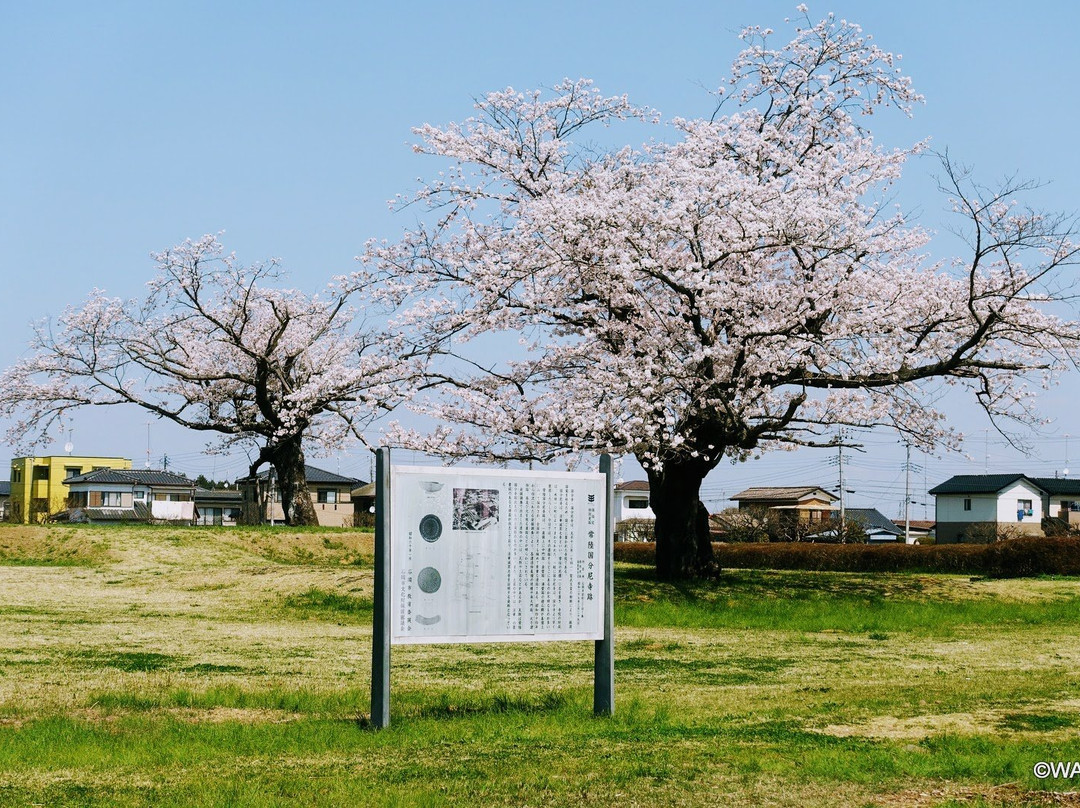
496 555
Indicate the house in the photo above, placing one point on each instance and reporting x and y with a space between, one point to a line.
331 495
5 500
218 506
975 507
1062 499
632 501
130 495
37 483
918 529
808 504
878 527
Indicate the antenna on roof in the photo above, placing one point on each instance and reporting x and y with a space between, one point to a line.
148 444
1066 472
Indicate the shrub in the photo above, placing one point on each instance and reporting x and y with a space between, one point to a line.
635 530
1011 558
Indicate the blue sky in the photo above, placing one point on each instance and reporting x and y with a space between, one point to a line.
128 127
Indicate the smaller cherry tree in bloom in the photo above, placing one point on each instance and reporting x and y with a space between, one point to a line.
736 284
216 347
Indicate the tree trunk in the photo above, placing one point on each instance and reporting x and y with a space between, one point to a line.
288 461
683 546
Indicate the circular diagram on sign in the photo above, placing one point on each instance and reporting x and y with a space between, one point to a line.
429 580
430 527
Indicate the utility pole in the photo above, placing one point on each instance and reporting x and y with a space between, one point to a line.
840 465
907 495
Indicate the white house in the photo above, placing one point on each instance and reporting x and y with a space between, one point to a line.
130 495
632 501
967 500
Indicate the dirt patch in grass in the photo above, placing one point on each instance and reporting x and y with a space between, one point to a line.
985 797
1055 721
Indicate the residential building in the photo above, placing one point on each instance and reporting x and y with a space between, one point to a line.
808 504
980 507
5 499
331 494
218 506
878 527
37 483
130 495
632 501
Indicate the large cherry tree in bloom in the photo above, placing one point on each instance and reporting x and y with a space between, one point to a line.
216 346
738 283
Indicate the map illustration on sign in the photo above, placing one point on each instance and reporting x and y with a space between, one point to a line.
496 555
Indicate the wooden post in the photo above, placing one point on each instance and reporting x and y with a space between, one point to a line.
604 652
380 633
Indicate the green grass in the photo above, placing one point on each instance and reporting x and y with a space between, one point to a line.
209 668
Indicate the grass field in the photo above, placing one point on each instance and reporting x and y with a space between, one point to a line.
205 667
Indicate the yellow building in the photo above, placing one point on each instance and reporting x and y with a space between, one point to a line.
37 483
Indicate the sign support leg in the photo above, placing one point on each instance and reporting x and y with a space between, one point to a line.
380 634
604 653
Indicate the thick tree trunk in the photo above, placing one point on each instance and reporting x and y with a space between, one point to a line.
288 461
683 548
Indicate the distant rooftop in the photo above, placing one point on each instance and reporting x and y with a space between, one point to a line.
776 493
317 475
130 477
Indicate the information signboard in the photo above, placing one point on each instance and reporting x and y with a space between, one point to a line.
494 555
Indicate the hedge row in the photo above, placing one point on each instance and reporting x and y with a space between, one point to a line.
1013 558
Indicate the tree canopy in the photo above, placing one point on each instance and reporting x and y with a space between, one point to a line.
740 282
217 347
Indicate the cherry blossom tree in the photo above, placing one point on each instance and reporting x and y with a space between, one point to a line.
739 283
216 347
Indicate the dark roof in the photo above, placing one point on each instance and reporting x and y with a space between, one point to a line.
218 495
5 488
772 493
131 477
139 513
633 485
315 475
980 483
1058 485
873 518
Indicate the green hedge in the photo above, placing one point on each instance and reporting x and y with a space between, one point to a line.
1012 558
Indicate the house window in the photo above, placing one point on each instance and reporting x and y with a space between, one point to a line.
1023 508
637 504
140 494
16 475
103 499
71 471
967 504
327 496
41 472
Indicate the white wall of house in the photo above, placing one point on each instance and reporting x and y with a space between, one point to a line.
984 508
1009 502
632 505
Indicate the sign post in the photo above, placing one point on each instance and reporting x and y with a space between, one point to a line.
604 654
380 635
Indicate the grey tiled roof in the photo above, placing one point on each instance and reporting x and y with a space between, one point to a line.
768 493
873 518
1058 485
316 475
218 495
5 488
131 476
